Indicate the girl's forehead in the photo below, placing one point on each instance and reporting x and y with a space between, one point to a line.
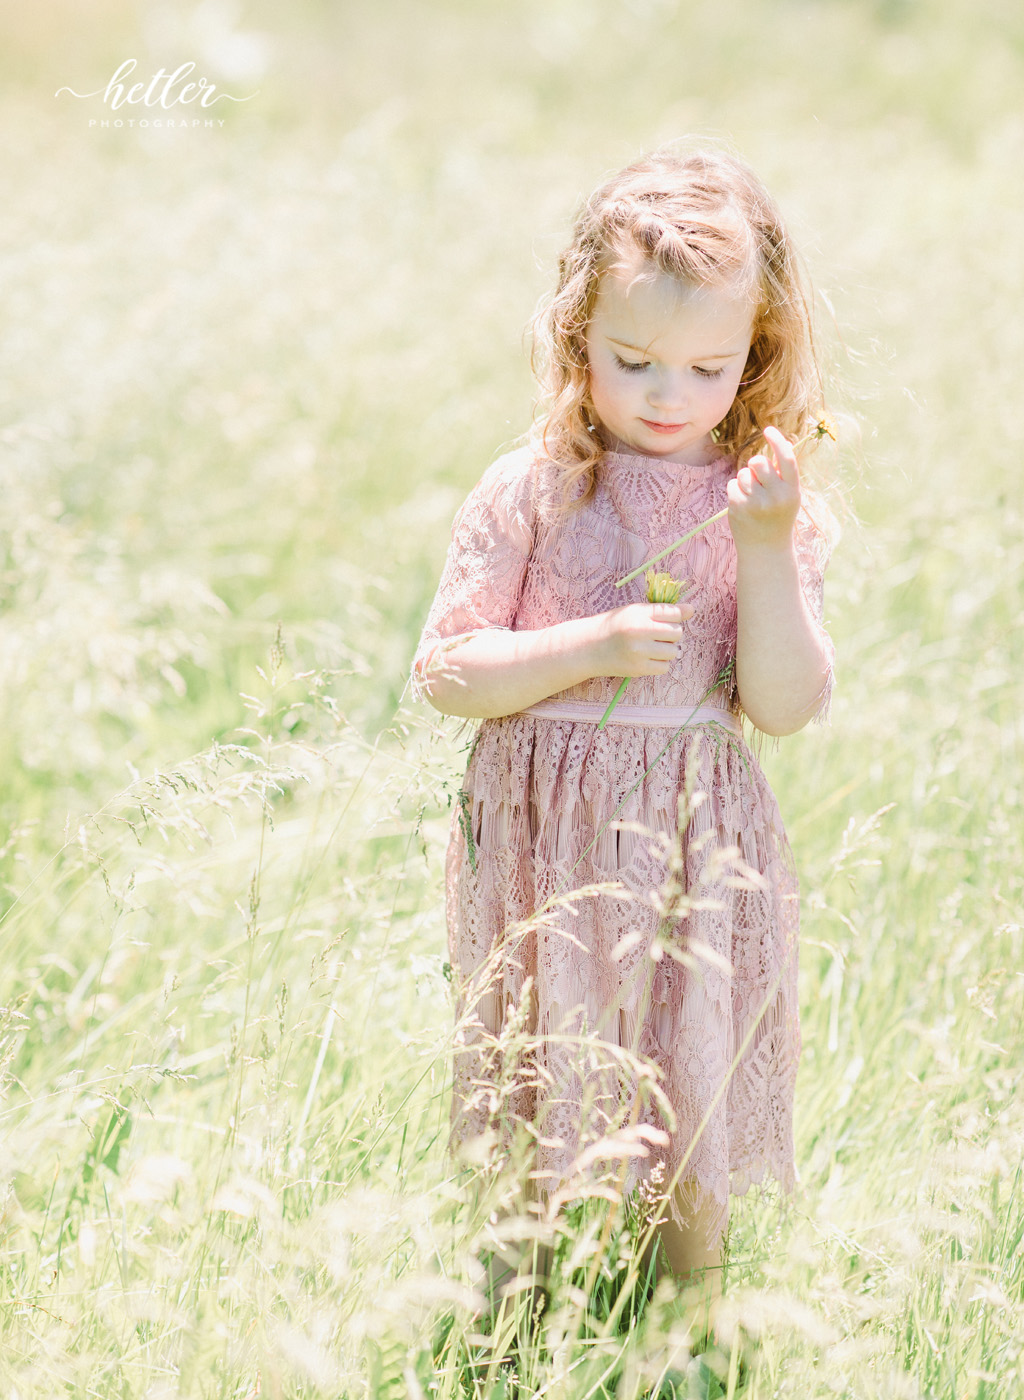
646 300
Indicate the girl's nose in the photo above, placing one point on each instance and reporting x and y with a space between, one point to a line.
668 391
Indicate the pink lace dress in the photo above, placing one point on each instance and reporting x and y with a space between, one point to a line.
621 903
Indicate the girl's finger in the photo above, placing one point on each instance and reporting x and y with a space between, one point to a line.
785 457
670 612
759 468
664 634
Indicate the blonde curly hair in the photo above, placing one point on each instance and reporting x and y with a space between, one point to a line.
704 218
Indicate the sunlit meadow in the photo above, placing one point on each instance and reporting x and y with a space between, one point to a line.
246 376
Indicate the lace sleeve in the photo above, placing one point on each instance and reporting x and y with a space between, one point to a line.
482 580
817 532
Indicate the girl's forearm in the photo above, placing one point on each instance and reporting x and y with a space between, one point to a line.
499 673
782 665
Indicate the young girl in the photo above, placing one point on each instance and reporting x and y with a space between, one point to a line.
681 385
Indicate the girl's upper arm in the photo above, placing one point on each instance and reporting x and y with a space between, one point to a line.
482 580
817 533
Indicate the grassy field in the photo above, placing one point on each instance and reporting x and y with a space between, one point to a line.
246 376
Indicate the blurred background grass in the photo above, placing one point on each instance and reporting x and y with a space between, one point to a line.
246 376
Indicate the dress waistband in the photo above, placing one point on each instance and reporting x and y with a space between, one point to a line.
653 716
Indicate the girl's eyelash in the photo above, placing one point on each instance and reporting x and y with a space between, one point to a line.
635 367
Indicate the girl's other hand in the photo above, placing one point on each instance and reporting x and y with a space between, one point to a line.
640 639
764 495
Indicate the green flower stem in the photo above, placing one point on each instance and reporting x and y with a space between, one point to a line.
681 540
615 700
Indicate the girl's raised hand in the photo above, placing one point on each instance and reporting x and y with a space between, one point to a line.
640 639
764 495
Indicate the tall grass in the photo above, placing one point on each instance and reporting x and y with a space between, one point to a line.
247 376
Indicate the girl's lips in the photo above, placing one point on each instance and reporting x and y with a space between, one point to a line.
662 427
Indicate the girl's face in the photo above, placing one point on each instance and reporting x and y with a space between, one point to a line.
665 360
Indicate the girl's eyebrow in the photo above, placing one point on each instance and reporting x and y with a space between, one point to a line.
722 355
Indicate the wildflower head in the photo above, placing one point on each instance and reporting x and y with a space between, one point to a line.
820 427
662 588
824 426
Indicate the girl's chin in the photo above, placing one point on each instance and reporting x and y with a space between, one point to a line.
647 444
664 445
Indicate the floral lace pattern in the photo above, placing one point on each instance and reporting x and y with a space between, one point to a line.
663 1002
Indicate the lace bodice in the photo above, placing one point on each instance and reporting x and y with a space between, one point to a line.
513 563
